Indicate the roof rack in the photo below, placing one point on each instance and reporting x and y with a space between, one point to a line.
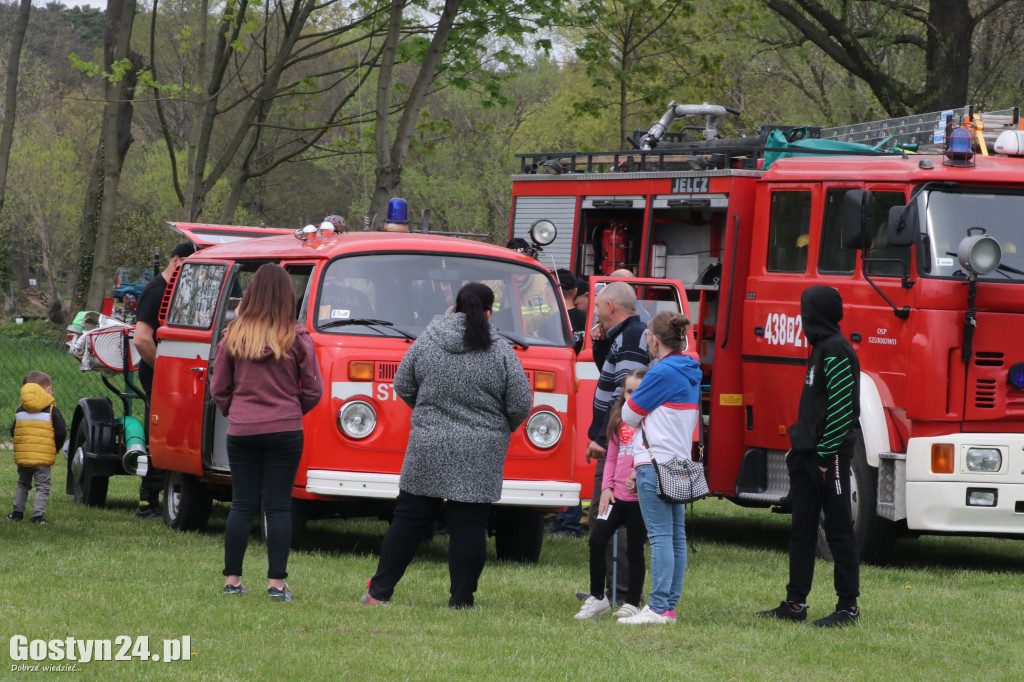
743 153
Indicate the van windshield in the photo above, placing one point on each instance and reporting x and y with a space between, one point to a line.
950 214
398 294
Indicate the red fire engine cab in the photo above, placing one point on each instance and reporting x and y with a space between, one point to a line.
925 249
364 296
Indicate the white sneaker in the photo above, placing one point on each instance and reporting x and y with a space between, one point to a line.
645 616
627 610
593 607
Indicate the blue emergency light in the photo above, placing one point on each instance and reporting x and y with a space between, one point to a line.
1016 375
398 211
959 151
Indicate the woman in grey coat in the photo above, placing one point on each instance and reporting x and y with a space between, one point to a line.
468 393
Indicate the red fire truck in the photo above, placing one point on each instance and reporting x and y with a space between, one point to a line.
923 249
364 297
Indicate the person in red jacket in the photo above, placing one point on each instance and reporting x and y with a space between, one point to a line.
265 378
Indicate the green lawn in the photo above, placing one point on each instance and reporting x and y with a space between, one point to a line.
947 609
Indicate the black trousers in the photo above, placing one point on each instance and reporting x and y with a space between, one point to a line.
265 464
626 514
811 494
622 573
412 523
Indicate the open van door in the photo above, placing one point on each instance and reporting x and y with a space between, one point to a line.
653 296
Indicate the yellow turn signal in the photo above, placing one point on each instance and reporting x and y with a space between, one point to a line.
360 371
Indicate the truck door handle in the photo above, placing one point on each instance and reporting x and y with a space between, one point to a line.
758 331
200 370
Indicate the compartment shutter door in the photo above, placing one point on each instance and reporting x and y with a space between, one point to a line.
559 210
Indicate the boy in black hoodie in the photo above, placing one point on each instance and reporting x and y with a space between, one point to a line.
819 462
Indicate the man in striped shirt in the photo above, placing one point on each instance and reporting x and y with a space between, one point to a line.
819 462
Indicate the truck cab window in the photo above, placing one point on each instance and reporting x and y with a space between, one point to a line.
834 257
880 248
789 232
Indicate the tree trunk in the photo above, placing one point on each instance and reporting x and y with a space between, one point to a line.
11 95
947 55
390 160
115 139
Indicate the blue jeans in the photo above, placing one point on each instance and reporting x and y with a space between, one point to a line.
666 531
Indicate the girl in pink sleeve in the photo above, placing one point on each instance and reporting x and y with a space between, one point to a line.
621 508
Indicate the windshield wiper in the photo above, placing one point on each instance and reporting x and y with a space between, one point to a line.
513 338
1002 268
367 322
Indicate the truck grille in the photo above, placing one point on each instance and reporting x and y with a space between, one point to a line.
988 359
386 371
985 394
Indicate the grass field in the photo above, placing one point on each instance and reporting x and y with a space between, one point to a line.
947 609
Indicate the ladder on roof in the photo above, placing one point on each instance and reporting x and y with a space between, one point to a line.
922 128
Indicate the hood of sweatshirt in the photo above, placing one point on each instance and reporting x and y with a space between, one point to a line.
687 367
821 309
447 331
34 398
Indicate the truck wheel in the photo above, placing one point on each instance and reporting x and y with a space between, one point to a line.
518 534
299 517
874 534
187 502
88 488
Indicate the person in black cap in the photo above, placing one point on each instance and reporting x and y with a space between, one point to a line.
148 321
577 318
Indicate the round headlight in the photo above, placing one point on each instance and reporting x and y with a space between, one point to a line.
357 419
979 254
543 232
544 429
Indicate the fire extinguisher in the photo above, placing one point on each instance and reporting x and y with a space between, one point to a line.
615 243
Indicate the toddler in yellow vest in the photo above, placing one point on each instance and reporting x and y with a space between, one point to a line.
38 432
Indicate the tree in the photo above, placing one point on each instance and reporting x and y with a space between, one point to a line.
257 79
121 69
625 46
11 93
915 59
465 34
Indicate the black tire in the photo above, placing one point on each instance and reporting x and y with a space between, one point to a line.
88 488
875 535
187 502
299 518
518 534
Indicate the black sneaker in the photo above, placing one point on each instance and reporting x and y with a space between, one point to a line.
16 516
839 618
787 610
235 589
148 511
39 519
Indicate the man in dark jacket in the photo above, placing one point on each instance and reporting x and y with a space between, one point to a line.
147 322
819 462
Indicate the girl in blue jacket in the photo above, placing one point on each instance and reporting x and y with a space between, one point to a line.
665 409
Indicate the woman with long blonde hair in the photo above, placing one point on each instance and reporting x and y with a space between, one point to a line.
265 378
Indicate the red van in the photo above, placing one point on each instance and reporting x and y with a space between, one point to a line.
364 297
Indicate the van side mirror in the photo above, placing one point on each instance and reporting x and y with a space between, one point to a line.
902 225
857 216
